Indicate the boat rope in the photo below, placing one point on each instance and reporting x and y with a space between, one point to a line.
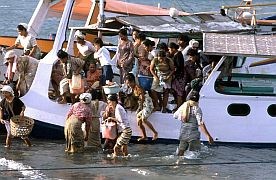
141 166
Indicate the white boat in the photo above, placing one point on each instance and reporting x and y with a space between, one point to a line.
242 110
50 116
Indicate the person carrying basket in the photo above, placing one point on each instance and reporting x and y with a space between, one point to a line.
11 106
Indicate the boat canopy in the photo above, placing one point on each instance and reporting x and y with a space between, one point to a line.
82 8
239 44
166 26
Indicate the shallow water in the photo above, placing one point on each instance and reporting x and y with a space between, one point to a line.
47 160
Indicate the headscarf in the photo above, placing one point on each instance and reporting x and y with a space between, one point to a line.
85 98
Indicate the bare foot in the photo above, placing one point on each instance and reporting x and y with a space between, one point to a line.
142 139
155 136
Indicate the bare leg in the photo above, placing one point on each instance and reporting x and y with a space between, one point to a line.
27 142
124 150
165 100
8 141
116 151
155 98
142 128
180 153
150 126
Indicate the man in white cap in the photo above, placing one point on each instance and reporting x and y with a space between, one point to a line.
85 50
27 41
10 60
11 106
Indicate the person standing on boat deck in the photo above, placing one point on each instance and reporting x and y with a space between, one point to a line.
191 65
143 61
180 74
122 120
26 40
162 69
86 50
191 119
145 107
26 69
11 60
70 66
11 106
105 61
136 44
79 113
125 54
183 42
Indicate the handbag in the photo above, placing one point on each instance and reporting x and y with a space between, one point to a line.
109 130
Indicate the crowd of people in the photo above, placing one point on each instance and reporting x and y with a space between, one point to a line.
177 68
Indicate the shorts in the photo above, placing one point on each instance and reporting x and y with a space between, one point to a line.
193 145
124 137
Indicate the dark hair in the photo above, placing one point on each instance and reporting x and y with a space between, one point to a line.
183 37
173 45
98 41
123 32
148 43
192 52
161 54
162 46
194 96
130 77
96 94
21 27
141 36
112 97
62 54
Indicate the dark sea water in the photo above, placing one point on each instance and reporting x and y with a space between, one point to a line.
47 160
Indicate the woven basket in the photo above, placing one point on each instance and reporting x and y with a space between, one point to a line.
22 127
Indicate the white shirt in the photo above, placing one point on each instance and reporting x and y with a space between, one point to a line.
86 49
14 64
104 56
121 116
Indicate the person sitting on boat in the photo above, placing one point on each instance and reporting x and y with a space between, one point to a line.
26 40
71 66
180 74
145 107
93 78
85 50
124 54
78 113
11 106
123 123
162 69
191 119
105 61
26 69
10 60
56 76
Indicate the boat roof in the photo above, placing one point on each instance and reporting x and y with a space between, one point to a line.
166 26
239 44
82 7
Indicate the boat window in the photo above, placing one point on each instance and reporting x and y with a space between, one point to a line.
238 109
271 110
249 76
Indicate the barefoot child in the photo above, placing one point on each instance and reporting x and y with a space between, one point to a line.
122 123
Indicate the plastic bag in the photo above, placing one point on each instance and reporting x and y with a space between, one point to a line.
76 82
109 130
